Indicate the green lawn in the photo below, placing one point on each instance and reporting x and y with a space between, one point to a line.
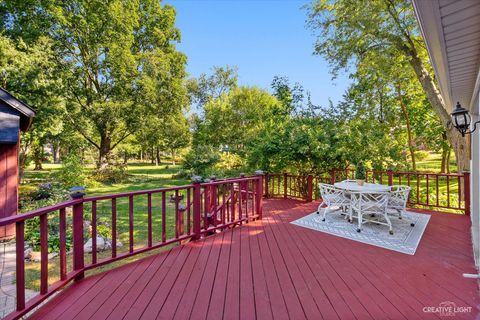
141 177
433 163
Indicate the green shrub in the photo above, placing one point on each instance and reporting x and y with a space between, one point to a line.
200 158
72 173
104 231
114 172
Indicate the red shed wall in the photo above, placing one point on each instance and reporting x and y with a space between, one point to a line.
8 186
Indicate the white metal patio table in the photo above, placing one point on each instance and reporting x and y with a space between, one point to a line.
366 188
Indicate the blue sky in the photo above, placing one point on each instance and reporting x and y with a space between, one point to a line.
262 38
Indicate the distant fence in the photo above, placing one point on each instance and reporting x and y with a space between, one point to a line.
437 191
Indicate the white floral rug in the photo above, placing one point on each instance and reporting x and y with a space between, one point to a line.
405 238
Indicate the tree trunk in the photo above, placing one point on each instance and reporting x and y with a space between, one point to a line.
55 145
125 157
38 155
157 156
173 156
445 151
409 128
443 167
152 155
458 143
448 159
104 152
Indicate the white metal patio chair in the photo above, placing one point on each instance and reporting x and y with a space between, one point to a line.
333 199
370 207
398 200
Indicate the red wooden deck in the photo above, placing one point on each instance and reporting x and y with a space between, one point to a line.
271 269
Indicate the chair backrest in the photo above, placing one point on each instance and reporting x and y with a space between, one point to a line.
399 197
369 202
330 194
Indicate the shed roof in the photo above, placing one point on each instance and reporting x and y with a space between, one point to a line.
26 112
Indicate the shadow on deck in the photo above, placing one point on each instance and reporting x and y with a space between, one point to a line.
271 269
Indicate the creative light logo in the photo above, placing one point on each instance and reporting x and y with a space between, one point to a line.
447 309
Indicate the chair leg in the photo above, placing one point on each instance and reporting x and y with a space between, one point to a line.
359 228
389 222
325 214
319 207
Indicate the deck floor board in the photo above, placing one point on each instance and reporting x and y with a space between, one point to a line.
272 269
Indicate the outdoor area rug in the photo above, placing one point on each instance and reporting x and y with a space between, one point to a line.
405 238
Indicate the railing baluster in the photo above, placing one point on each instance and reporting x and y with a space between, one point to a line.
177 222
448 191
224 203
149 219
188 211
78 243
205 207
43 254
233 201
240 199
20 264
130 223
428 191
197 208
164 218
459 192
436 188
247 196
94 231
114 227
63 244
214 205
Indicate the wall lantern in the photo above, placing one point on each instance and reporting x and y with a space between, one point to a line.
461 120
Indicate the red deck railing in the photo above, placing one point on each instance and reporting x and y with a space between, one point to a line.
198 210
435 191
207 207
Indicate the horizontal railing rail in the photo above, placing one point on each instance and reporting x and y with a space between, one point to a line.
172 215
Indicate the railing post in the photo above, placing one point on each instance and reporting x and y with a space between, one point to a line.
466 191
78 241
309 188
197 207
390 177
259 194
266 184
333 175
20 264
285 177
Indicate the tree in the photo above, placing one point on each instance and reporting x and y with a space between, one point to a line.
176 134
29 72
211 87
234 120
119 60
348 32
